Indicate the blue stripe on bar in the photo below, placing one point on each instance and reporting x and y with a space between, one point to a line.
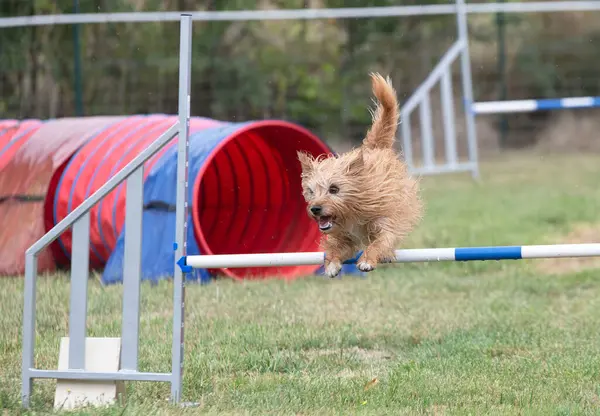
574 102
488 253
549 104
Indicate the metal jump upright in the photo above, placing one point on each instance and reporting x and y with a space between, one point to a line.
79 220
442 73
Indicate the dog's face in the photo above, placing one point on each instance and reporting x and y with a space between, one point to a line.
331 187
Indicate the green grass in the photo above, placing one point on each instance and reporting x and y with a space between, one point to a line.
445 338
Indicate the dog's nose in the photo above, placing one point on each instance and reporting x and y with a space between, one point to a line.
315 209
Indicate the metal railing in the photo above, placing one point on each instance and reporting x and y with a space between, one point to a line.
291 14
79 220
421 98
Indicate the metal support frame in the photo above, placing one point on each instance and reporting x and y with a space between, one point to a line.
441 73
79 221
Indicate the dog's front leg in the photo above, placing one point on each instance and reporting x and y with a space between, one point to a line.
337 249
380 250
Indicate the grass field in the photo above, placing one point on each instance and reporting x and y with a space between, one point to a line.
447 338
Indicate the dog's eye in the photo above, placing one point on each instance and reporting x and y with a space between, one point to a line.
309 192
333 189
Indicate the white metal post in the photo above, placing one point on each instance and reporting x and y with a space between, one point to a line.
181 223
467 83
132 270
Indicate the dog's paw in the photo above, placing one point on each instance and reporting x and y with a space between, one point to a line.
333 269
364 266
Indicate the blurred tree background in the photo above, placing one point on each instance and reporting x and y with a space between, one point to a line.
313 72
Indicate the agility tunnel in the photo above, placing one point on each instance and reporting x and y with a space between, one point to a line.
245 196
245 193
24 184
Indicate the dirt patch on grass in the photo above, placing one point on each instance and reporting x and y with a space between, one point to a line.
360 353
372 362
584 233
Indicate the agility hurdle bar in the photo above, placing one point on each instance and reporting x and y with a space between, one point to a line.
527 106
402 256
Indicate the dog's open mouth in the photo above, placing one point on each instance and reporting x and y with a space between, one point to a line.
325 222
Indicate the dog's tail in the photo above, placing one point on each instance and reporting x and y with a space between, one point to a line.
382 133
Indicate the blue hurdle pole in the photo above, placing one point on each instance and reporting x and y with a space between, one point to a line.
222 261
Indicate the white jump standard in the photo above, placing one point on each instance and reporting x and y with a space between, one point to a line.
79 221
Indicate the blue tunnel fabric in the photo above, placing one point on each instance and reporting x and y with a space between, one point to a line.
158 227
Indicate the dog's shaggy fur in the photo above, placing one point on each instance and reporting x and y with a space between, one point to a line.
365 198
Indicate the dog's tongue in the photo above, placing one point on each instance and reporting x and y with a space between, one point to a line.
324 221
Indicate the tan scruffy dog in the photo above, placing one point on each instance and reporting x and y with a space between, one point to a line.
365 198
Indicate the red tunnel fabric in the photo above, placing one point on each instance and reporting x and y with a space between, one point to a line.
13 138
28 173
247 197
96 162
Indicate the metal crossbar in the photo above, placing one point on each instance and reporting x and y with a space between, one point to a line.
293 14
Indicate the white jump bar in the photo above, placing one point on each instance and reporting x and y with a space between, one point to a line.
224 261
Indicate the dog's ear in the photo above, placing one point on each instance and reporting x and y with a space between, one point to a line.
356 163
306 162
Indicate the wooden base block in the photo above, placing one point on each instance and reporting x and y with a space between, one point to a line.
102 355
